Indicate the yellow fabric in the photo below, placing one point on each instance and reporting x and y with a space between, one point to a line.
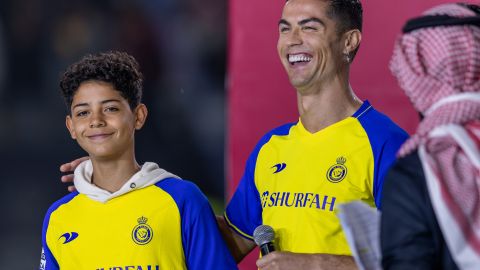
321 170
108 232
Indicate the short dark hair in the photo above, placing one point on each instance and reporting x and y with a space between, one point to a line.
347 13
117 68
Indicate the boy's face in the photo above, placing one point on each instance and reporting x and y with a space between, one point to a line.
102 122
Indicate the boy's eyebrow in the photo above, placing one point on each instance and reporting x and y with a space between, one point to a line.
102 102
110 100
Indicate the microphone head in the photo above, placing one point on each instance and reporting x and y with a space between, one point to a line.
263 234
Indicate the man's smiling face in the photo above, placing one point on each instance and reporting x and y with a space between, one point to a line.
309 45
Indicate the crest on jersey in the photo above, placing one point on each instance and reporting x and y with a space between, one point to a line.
337 172
142 233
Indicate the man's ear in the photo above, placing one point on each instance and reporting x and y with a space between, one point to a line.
352 41
141 113
69 124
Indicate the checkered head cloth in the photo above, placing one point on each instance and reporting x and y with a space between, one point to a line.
437 62
439 70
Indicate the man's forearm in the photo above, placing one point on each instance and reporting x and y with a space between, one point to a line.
239 246
338 262
289 260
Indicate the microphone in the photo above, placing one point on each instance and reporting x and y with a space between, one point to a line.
263 236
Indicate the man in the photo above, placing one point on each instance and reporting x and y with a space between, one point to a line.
124 215
337 152
431 198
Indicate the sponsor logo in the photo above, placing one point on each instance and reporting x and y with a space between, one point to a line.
279 167
69 237
142 234
43 261
131 267
298 200
337 172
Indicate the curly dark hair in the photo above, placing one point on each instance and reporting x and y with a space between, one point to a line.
117 68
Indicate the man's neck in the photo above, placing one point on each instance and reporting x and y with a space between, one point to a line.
111 175
326 106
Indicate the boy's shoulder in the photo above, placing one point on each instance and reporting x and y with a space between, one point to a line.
65 200
182 191
62 201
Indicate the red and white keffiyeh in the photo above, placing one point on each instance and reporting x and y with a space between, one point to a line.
439 70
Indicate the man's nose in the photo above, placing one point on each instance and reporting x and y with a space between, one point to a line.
294 38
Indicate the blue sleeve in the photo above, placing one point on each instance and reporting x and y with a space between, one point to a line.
244 211
385 159
202 242
385 139
47 260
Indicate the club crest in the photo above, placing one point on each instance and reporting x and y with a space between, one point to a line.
337 172
142 233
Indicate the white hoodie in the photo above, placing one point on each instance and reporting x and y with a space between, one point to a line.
148 175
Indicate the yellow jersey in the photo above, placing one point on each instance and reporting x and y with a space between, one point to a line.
294 180
166 225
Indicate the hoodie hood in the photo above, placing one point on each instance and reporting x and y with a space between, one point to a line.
148 175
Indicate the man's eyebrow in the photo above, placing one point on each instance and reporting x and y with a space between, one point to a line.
313 19
283 21
302 22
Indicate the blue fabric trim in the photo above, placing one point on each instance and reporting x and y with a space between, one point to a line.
202 242
245 210
248 237
365 106
52 263
385 139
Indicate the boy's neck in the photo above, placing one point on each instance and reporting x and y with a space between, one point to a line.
111 175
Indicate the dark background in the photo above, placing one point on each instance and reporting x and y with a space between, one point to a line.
180 45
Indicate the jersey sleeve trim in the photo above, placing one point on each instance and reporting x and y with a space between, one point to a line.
50 261
244 210
199 228
178 190
363 109
237 230
385 139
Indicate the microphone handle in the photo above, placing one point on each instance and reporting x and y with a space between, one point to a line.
267 248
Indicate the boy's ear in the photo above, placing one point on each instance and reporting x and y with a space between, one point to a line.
141 113
69 124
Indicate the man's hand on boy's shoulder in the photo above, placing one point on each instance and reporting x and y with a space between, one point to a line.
69 168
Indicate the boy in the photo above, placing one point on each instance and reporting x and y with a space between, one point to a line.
123 216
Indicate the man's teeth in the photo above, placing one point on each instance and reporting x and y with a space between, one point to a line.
299 58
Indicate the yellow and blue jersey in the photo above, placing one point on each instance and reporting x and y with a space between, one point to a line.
294 180
168 225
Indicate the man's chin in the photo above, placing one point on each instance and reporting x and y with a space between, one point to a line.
298 83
